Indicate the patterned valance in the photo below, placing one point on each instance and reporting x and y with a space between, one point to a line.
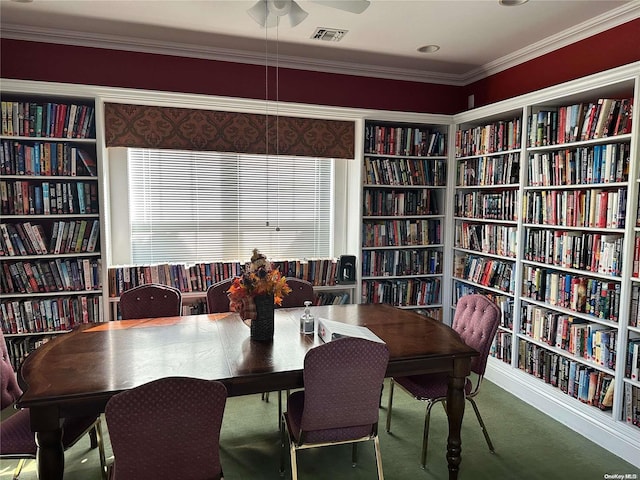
146 126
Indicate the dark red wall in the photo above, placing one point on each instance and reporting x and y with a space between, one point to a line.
115 68
612 48
95 66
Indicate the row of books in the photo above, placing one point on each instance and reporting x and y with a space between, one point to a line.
593 207
484 171
46 158
605 117
501 205
487 238
634 311
405 171
580 381
409 232
592 341
23 197
592 296
593 252
434 313
41 315
484 271
399 292
332 298
385 263
632 404
25 238
580 166
501 347
399 202
20 347
632 362
405 140
491 138
504 302
59 275
200 276
636 256
55 120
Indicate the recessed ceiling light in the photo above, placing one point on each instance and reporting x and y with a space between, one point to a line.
429 48
512 3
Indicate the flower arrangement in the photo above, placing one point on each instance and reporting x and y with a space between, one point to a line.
258 278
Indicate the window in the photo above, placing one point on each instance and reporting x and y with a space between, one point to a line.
187 206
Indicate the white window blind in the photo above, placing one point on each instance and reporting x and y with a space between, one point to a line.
188 206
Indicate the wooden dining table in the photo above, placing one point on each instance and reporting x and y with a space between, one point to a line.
78 372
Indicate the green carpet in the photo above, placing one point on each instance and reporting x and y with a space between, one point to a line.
529 446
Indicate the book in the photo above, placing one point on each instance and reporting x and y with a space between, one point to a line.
331 330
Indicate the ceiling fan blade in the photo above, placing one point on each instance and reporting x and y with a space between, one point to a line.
353 6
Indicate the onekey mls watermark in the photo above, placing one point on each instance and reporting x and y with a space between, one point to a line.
620 476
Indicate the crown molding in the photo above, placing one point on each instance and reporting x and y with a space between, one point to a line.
615 17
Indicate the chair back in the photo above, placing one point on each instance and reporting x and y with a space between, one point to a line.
301 291
168 428
10 390
150 301
217 297
476 320
342 384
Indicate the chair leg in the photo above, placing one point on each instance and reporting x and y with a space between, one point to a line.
283 441
425 436
482 425
97 429
265 396
354 454
294 465
376 444
16 472
390 406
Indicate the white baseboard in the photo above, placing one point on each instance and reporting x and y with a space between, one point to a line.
615 436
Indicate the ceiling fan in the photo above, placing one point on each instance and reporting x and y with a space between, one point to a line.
267 13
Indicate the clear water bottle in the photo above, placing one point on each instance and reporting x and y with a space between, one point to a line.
307 322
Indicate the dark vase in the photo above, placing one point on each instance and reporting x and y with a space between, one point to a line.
262 325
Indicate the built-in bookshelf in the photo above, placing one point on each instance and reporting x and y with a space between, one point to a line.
485 221
50 227
404 181
194 280
565 227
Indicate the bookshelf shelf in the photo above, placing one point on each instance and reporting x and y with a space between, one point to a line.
50 227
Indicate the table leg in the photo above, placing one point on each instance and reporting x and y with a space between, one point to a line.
455 412
50 456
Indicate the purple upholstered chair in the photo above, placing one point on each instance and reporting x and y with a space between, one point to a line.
17 441
476 321
339 404
167 429
150 301
301 291
217 297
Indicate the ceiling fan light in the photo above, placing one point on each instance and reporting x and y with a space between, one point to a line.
297 14
259 12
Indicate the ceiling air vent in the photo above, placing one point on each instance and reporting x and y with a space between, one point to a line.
328 34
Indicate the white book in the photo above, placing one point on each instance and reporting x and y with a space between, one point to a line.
330 330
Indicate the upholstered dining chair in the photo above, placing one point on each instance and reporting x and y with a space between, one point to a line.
166 429
149 301
476 320
301 291
17 441
217 297
339 404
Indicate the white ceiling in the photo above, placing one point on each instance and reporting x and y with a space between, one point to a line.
477 37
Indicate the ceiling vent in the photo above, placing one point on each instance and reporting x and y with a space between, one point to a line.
328 34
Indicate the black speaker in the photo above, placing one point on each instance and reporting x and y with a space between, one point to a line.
346 269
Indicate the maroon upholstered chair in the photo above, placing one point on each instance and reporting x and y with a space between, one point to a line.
167 429
150 301
17 441
476 321
217 297
339 404
301 291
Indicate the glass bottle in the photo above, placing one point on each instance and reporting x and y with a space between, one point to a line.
307 321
